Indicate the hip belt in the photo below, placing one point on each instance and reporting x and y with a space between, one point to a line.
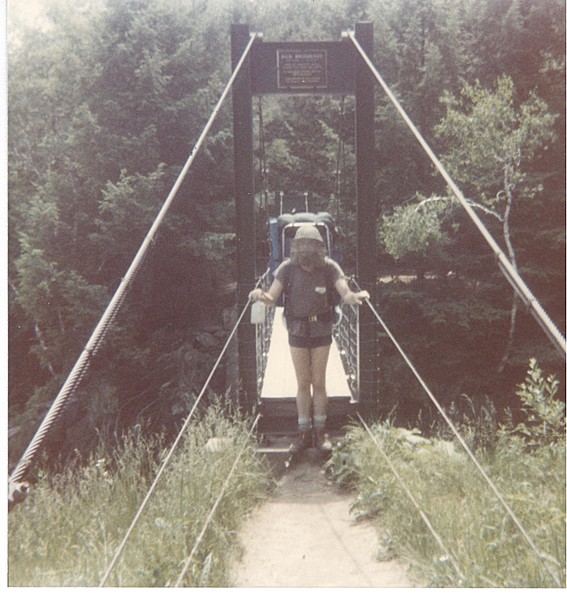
322 317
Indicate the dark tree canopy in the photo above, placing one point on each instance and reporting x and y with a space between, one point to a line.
105 102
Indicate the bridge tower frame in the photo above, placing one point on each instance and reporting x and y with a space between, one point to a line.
299 68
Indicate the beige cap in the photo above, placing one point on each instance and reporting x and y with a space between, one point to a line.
309 232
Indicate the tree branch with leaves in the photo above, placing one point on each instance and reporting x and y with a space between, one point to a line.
489 144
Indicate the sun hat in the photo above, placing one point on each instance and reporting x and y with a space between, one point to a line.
309 232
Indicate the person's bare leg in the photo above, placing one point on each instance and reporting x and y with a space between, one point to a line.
300 357
302 364
319 359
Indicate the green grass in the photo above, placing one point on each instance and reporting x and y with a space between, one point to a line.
475 542
474 527
68 530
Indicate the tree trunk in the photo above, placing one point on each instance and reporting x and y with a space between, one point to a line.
512 257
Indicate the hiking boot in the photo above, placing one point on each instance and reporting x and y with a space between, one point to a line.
323 442
303 442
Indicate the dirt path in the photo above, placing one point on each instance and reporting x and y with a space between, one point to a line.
304 536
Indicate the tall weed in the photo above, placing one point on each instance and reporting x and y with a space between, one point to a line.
68 530
527 465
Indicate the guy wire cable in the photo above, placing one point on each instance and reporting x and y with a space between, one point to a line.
424 517
471 455
216 504
169 455
511 275
82 364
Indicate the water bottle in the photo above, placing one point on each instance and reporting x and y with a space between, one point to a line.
258 313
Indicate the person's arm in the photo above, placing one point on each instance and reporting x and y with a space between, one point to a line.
267 297
348 296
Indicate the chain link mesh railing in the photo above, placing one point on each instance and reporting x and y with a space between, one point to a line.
263 337
345 333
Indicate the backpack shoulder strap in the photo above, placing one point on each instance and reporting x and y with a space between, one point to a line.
286 285
333 298
287 275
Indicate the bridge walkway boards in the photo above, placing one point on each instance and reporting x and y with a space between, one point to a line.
279 388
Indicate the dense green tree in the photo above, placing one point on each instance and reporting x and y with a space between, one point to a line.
98 100
106 100
488 143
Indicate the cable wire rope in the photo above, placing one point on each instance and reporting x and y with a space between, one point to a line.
216 504
172 449
90 349
422 514
471 455
512 276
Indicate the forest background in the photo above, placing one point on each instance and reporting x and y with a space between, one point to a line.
106 100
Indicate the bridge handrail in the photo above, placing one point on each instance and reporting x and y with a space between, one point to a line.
412 498
263 334
172 449
346 337
209 518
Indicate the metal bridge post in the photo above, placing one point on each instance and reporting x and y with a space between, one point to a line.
244 205
366 215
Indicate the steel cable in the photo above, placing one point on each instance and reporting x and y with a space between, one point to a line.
92 346
422 514
216 504
172 449
511 275
453 428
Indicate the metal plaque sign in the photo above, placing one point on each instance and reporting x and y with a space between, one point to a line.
302 69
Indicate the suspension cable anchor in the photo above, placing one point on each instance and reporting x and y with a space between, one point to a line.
17 493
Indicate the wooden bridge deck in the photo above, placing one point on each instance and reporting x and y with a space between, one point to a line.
279 388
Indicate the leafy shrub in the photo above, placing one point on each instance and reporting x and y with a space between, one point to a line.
544 414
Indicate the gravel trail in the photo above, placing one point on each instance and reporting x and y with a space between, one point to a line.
305 536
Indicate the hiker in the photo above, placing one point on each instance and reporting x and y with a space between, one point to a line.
307 278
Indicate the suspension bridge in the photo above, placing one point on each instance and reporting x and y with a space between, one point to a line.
267 390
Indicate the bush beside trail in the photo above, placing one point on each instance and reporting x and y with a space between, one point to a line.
526 462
